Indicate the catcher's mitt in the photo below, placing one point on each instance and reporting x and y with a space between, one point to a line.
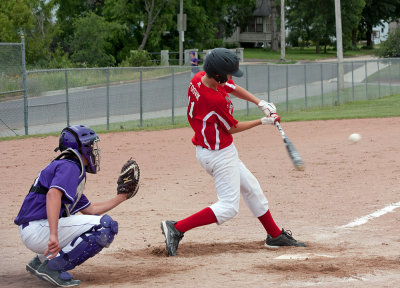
128 180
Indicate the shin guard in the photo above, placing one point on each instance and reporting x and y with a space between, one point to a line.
86 245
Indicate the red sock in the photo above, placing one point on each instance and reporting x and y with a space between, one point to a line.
201 218
269 224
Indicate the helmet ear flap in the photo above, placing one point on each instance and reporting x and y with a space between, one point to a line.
62 146
220 79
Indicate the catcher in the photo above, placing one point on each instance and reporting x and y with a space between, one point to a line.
47 220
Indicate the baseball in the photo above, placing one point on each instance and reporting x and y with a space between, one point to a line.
355 137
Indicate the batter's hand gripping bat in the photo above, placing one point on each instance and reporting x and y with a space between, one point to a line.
294 155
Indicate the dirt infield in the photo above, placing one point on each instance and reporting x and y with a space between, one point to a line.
342 183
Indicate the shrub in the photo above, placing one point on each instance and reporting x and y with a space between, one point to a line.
391 47
137 58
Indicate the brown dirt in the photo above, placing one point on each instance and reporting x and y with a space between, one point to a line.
342 182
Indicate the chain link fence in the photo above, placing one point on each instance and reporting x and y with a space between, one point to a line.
12 85
126 98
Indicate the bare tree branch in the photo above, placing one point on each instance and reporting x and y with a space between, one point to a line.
151 19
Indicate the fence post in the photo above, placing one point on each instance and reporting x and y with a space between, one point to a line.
269 85
239 53
379 79
108 98
24 84
141 98
164 61
172 94
247 88
352 79
338 85
66 96
305 85
390 77
322 86
366 80
287 88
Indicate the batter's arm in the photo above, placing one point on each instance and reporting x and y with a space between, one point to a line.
242 126
245 95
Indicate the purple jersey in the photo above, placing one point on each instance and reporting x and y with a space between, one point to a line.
64 175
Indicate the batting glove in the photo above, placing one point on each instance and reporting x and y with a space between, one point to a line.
271 120
267 108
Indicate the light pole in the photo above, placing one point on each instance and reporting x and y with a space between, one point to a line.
283 31
180 28
339 45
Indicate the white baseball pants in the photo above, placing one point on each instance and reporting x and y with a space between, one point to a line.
231 178
36 235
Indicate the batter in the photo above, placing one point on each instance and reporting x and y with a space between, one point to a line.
209 113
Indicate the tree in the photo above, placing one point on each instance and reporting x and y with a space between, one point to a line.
68 10
92 40
31 18
318 24
15 18
226 16
129 15
153 9
201 31
375 13
351 17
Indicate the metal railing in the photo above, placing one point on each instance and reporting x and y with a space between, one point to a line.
124 98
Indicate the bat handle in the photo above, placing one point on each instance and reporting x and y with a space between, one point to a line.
278 125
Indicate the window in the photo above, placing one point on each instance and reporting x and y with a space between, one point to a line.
251 27
255 25
259 24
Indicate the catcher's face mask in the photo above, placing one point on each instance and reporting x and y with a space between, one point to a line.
91 151
85 140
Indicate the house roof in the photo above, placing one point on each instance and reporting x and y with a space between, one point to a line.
263 8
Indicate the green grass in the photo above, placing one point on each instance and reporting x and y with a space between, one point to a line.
388 106
39 82
298 54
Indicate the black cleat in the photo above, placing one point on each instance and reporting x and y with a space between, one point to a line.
285 239
172 236
58 278
33 265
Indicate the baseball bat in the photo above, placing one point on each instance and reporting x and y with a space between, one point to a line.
293 154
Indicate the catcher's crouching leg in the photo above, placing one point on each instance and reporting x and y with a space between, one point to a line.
86 245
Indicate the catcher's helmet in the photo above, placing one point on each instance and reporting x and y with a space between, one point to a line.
85 141
220 62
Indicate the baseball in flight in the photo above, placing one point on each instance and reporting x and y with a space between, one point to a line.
355 137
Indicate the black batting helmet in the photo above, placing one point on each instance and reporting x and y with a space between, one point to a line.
220 62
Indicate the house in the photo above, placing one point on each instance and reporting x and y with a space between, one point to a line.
380 33
258 32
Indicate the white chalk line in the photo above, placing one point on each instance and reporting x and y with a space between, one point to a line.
376 214
302 256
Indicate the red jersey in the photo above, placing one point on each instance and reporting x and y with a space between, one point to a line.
210 113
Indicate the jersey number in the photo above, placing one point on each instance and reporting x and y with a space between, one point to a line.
191 109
